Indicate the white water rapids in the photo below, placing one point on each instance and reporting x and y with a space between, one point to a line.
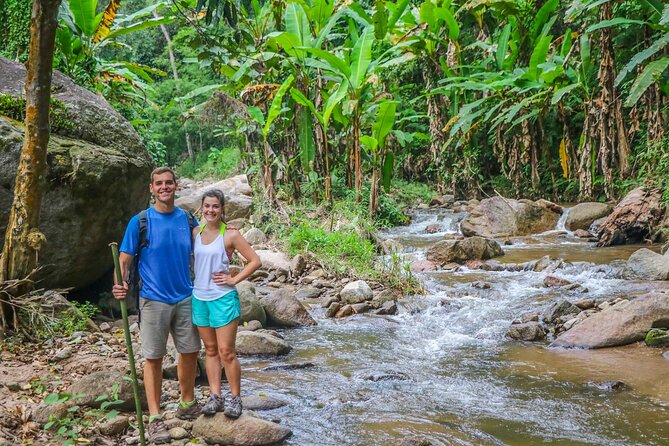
446 372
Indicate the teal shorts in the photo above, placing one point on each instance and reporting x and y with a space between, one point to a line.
216 313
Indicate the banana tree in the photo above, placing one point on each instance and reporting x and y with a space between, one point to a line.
377 146
82 33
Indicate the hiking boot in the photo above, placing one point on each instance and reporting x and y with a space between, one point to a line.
233 407
214 404
189 413
158 433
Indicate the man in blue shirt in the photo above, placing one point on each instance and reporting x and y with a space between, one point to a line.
165 297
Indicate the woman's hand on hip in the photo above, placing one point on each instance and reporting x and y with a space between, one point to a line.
222 279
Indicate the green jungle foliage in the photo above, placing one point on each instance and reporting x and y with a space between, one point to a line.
563 99
15 30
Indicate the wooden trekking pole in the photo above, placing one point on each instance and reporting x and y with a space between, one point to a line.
128 344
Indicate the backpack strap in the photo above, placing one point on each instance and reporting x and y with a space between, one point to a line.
222 231
143 224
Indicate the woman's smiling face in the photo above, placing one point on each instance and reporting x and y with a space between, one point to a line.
211 209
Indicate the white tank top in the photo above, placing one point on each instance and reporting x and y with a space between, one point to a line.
209 259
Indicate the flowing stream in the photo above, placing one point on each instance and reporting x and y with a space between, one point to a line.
443 369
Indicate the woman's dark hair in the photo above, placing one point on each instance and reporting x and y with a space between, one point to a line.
216 193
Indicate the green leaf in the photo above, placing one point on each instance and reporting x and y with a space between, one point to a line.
665 16
336 65
539 56
385 119
586 61
301 99
55 398
145 24
305 139
198 91
289 42
275 108
452 24
297 23
640 57
567 43
361 58
397 12
256 114
387 171
542 16
332 101
558 95
614 22
84 15
370 143
648 76
502 45
380 19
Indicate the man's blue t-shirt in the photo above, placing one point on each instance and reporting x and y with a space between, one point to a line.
164 264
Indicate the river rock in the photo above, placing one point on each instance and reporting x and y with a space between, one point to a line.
356 292
499 217
332 309
84 164
633 219
261 402
391 246
309 292
274 261
95 384
284 310
255 236
252 309
238 197
648 265
582 215
559 310
344 311
529 331
297 265
420 266
657 337
251 343
582 233
553 281
472 248
619 326
244 431
387 308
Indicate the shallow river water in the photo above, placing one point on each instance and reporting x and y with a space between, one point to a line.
456 379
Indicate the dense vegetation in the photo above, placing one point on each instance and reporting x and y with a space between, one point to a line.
318 98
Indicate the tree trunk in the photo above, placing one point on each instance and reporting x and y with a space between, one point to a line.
356 156
166 34
374 190
189 146
22 238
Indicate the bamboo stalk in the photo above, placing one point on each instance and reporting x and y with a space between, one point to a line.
128 343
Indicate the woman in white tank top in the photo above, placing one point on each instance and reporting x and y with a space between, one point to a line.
216 307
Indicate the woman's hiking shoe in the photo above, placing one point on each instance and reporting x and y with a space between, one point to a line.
158 433
233 407
190 412
214 404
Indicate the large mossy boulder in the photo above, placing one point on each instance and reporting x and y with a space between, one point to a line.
503 217
97 178
237 191
459 251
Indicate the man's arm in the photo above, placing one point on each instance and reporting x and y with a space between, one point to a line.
120 290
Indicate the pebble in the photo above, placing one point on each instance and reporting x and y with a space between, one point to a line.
178 433
132 440
105 326
118 355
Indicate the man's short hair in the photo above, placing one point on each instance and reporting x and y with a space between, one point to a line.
161 170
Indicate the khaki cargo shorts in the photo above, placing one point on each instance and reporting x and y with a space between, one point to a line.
159 319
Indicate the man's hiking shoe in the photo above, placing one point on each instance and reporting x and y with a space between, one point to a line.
189 413
233 407
214 404
158 433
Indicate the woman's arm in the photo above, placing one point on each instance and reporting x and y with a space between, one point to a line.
236 239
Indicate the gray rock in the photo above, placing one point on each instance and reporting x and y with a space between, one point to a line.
473 248
499 217
63 353
529 331
114 426
360 308
583 215
582 233
251 326
619 326
308 293
84 164
284 310
333 309
252 309
244 431
178 433
255 236
95 384
297 265
560 309
251 343
328 299
356 292
44 412
387 308
274 261
344 311
261 402
648 265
